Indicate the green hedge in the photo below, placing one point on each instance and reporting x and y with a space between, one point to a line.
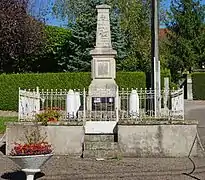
9 84
198 85
131 80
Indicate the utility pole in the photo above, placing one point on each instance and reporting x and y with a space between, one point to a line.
155 76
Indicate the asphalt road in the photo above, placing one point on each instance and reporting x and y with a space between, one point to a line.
196 110
64 168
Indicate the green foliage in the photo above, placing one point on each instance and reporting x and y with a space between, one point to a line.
56 36
198 85
82 41
163 52
9 84
118 37
48 115
54 51
135 23
185 36
131 80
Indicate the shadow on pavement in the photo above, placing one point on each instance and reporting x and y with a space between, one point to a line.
20 175
3 149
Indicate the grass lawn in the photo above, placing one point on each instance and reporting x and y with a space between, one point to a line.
6 119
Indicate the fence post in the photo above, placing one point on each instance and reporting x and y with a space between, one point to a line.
19 105
183 101
38 103
84 108
189 87
37 89
166 96
117 105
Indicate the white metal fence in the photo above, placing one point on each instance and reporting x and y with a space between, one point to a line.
73 104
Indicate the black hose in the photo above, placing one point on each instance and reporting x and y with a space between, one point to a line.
194 166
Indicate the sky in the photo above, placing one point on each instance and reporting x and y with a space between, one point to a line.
52 20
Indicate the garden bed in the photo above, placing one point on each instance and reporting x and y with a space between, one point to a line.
157 138
65 137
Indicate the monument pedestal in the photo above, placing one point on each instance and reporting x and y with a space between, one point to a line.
102 91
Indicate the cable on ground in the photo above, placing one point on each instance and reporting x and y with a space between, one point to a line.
189 156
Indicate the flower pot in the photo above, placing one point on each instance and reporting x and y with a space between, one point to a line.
31 164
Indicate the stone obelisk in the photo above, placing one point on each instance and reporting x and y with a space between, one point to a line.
103 63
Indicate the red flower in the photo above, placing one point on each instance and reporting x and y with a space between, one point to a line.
31 149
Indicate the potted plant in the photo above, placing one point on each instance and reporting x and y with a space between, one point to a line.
49 115
32 154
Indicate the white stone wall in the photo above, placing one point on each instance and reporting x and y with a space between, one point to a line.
157 140
65 140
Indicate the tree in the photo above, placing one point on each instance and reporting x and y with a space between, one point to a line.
185 22
135 22
21 36
82 41
53 53
83 22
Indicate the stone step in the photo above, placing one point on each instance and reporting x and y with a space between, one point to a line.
101 145
100 138
101 154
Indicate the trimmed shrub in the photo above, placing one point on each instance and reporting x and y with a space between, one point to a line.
9 84
198 85
131 80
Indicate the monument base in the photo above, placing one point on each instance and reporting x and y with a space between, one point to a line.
102 92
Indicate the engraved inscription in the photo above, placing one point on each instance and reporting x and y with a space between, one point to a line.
104 34
103 92
103 68
103 17
103 30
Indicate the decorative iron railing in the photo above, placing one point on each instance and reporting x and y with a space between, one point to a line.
77 105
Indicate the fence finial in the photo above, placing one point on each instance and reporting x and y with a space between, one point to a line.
37 89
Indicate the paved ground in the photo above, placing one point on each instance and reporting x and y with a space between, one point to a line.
196 110
65 168
8 113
